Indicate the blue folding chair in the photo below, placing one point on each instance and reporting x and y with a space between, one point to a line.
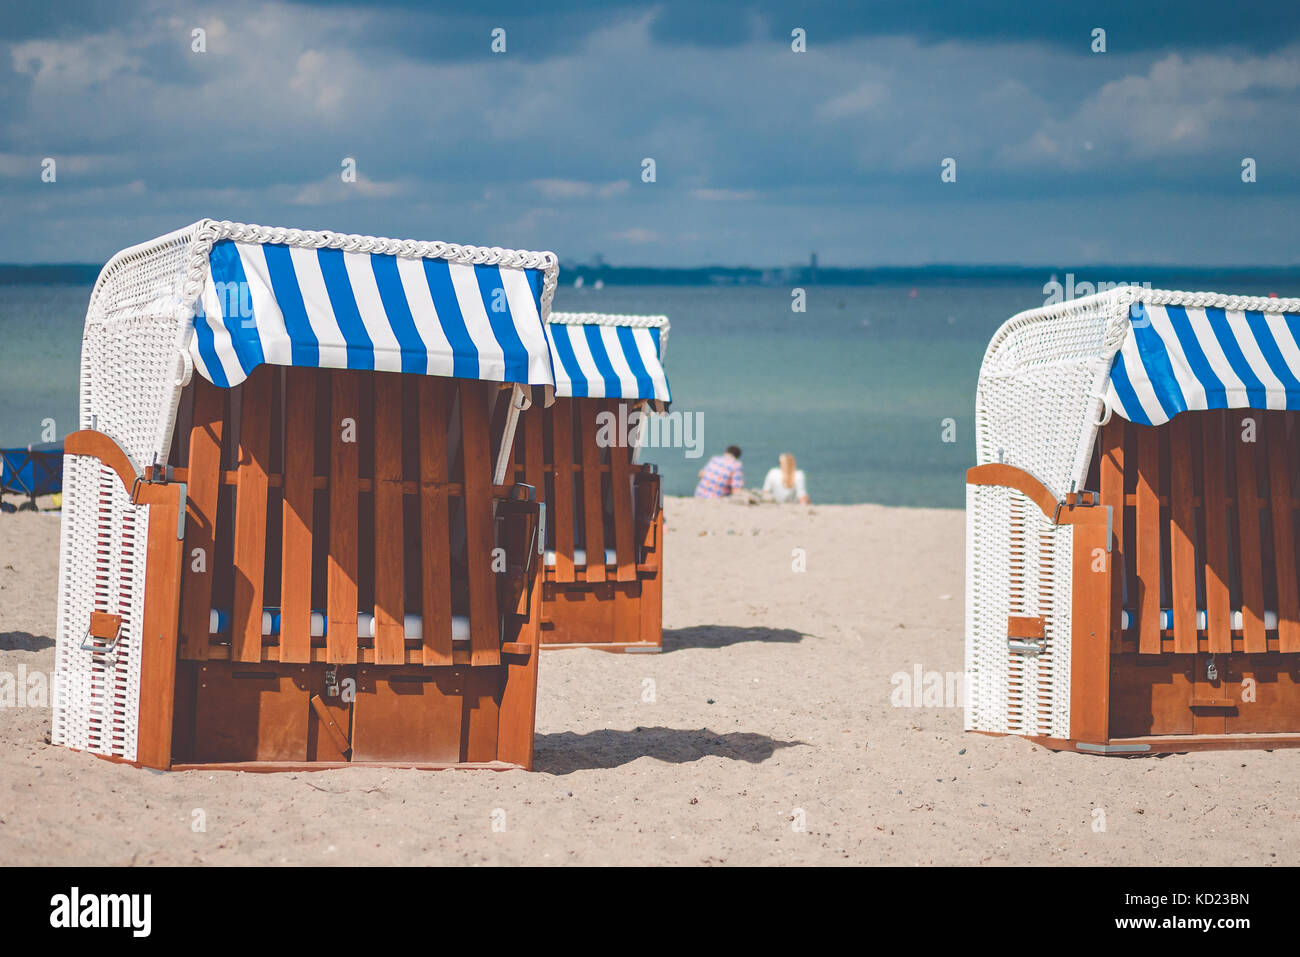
31 471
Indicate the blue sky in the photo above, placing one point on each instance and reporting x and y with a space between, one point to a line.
1064 156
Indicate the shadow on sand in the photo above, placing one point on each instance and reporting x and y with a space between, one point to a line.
567 751
722 636
22 641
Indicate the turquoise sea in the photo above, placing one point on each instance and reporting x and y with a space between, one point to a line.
858 386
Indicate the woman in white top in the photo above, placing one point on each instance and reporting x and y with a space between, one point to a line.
785 484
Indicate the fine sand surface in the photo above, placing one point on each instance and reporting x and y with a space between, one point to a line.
771 706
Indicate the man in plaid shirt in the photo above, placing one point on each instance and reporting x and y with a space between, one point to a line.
723 476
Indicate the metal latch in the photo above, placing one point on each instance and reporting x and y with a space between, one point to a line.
1089 500
105 627
1026 646
541 527
1026 635
164 475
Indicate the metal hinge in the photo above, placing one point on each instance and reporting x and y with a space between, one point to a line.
164 475
1095 502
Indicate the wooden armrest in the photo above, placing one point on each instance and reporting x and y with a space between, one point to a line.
138 487
1073 511
100 446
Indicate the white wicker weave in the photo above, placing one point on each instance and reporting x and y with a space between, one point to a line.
134 363
101 568
1008 543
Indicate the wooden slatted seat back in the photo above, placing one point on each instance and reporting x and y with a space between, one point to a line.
572 454
329 494
1204 529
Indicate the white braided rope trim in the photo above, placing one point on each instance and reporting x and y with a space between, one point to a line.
211 231
1215 300
617 319
1120 298
608 319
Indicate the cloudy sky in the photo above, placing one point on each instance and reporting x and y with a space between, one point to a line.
762 154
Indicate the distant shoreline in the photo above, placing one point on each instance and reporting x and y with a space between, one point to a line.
1166 276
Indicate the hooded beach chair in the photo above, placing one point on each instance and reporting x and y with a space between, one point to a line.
286 541
1131 538
603 575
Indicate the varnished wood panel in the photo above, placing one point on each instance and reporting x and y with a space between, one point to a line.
250 515
341 634
562 464
1218 608
435 558
390 575
620 477
1148 540
203 485
298 517
484 627
1182 534
1283 519
593 522
1248 533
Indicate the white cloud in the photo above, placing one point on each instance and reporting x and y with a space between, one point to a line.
635 234
856 102
73 66
560 189
318 81
1179 106
333 189
724 195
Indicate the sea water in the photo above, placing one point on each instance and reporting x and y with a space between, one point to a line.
871 388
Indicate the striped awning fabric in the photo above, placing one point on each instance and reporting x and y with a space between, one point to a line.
1175 358
608 356
299 305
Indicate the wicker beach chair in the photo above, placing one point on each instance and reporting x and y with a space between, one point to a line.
603 575
286 542
1131 541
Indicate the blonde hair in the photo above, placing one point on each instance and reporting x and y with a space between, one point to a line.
787 463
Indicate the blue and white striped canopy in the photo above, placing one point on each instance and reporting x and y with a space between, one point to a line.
616 357
294 305
1176 358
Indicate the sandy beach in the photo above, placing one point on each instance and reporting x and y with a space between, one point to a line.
767 732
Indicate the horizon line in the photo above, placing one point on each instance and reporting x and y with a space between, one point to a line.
821 267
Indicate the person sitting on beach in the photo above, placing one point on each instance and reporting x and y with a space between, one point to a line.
785 483
723 476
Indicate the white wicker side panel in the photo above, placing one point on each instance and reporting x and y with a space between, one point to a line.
1061 592
1038 397
988 596
137 327
101 568
1018 564
129 385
